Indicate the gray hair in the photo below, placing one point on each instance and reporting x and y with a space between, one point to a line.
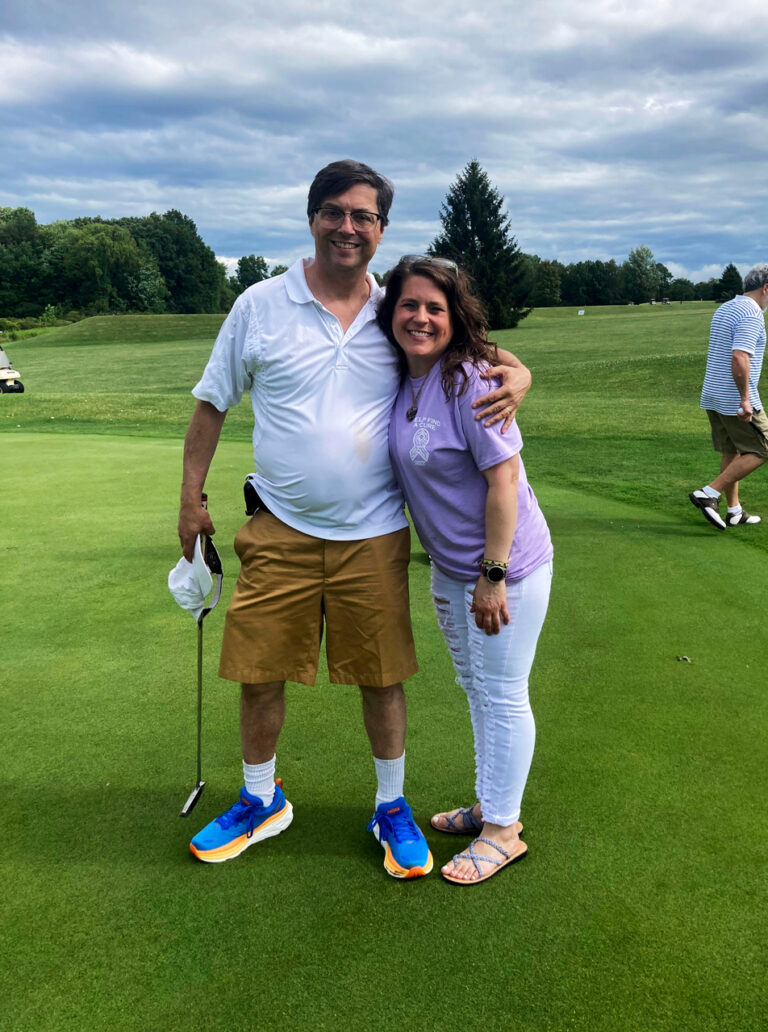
756 278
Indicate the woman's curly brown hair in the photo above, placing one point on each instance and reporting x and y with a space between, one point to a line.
469 342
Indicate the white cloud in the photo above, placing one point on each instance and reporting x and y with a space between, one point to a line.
604 126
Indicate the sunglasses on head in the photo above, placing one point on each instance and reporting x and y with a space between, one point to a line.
427 259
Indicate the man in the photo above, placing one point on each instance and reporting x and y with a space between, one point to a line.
730 397
329 544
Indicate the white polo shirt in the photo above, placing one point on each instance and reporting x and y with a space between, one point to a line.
321 402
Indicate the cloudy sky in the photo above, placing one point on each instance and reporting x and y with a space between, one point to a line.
605 125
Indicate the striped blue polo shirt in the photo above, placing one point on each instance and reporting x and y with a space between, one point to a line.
738 325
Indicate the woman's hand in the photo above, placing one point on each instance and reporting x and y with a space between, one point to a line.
489 604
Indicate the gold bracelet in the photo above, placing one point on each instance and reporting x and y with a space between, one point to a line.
494 562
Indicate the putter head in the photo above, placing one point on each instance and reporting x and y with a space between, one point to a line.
191 803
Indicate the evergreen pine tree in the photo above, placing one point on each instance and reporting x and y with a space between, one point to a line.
730 282
477 236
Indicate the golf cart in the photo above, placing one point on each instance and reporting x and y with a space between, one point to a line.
9 378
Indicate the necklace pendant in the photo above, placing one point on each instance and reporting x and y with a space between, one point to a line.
410 415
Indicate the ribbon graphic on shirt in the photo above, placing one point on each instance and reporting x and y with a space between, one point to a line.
419 454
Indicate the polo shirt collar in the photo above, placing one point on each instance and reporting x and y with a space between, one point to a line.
299 292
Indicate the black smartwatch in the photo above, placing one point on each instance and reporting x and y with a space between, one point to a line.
494 573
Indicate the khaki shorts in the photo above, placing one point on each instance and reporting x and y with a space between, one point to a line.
291 586
735 437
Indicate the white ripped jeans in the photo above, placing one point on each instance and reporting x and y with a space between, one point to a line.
493 670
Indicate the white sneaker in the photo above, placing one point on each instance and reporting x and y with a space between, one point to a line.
709 508
736 519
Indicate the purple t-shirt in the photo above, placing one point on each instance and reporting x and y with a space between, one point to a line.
438 460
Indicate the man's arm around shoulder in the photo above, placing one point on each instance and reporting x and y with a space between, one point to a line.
504 402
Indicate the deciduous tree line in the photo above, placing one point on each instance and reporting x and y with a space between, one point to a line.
637 280
91 266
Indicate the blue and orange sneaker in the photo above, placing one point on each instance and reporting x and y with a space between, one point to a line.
406 853
243 824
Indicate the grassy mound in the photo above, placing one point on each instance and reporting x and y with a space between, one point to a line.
132 329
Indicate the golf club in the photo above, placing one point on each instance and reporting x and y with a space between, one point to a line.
213 562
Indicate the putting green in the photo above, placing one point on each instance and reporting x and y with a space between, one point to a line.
641 906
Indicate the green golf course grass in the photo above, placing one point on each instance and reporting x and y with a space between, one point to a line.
642 904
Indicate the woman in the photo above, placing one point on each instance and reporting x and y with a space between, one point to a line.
491 552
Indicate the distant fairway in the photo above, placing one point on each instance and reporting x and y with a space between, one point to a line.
642 906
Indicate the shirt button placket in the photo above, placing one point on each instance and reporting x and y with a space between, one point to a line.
340 345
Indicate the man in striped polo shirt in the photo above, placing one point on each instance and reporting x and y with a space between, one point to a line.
730 397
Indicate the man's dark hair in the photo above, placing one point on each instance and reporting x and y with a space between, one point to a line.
339 176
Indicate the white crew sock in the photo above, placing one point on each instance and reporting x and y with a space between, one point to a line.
260 780
734 511
390 776
710 492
